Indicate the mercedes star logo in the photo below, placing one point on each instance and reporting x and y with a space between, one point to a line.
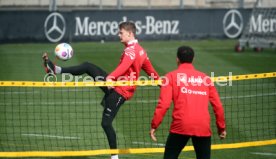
232 23
54 27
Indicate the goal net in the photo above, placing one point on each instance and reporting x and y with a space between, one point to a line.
40 120
260 30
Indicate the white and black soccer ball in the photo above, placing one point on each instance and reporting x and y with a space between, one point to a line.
64 51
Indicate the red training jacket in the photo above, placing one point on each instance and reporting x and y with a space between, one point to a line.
191 92
133 59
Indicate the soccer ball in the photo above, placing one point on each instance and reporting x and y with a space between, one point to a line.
64 51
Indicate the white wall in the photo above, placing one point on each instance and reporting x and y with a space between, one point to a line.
140 3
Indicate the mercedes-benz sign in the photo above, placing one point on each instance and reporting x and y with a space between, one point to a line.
232 23
54 27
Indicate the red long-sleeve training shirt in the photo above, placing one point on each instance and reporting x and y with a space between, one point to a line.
133 59
190 91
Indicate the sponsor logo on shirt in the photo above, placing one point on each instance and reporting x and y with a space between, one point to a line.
190 91
194 81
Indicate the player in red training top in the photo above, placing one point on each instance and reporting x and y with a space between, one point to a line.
133 59
190 90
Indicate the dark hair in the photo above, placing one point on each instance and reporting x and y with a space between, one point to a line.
185 54
128 26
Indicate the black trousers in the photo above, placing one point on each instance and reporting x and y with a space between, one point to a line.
92 70
176 142
111 101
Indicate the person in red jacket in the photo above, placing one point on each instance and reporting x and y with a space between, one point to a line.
191 91
133 59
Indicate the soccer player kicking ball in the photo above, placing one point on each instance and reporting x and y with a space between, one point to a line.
133 59
191 91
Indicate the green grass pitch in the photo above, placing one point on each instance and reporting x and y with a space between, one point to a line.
58 119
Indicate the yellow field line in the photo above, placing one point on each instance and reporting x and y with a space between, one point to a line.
125 83
127 151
